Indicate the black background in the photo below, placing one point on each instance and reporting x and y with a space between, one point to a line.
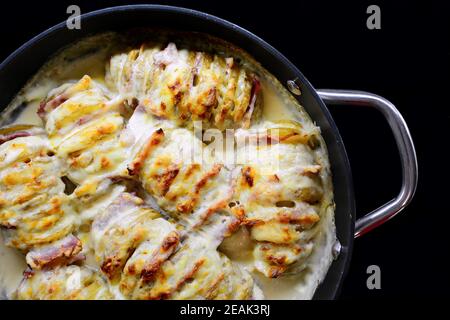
407 61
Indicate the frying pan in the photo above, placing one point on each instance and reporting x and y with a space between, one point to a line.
24 62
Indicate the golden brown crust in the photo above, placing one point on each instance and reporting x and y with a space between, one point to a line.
188 205
151 144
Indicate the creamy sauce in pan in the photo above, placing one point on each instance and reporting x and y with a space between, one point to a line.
276 106
11 269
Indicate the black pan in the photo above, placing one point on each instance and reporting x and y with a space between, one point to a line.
24 62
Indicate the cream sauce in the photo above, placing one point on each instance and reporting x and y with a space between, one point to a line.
11 269
29 115
276 106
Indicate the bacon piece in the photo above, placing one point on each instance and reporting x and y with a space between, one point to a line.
17 131
62 252
47 106
256 90
4 138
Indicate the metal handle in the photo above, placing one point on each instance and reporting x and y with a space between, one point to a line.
405 146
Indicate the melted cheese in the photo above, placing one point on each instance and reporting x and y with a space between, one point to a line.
66 283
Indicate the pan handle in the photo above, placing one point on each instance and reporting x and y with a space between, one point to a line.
405 146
